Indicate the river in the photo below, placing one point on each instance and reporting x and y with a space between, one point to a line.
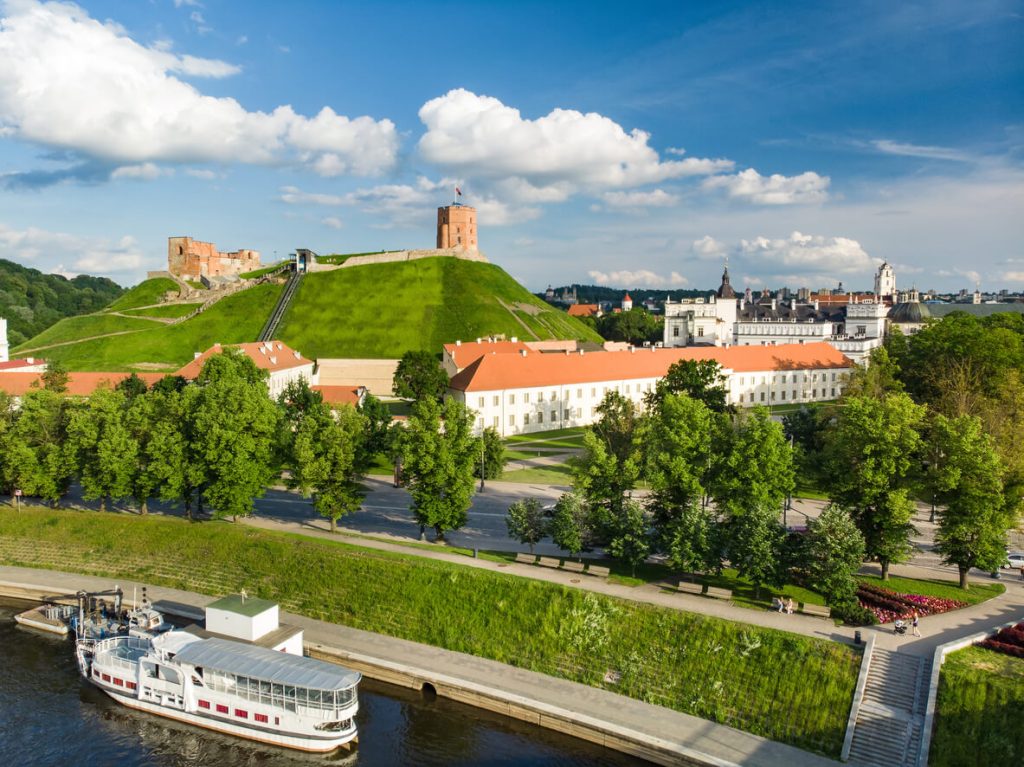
50 716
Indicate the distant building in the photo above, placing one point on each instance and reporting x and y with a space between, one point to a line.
193 260
627 303
456 228
18 383
283 364
525 391
699 321
885 283
585 310
908 313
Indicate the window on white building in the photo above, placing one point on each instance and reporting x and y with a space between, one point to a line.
540 417
579 394
495 422
511 420
480 402
568 414
511 399
700 331
627 388
497 400
783 395
526 397
762 396
480 422
773 396
554 416
526 419
593 392
554 396
540 396
675 332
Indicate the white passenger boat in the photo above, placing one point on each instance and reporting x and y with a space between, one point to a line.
228 686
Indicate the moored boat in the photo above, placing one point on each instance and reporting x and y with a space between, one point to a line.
228 686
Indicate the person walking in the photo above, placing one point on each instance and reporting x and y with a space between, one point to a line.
1022 572
917 631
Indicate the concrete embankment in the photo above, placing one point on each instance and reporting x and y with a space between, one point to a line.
660 735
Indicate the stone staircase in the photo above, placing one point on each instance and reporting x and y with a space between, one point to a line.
888 729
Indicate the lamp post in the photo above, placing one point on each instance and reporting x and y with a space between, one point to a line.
481 461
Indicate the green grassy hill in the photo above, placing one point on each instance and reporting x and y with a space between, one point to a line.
146 293
154 345
384 310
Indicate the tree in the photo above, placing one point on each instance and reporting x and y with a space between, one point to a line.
297 400
879 378
438 455
834 552
493 455
572 527
35 460
633 326
101 447
377 420
526 522
755 540
973 526
154 427
805 429
324 460
699 379
870 450
631 541
235 428
131 387
677 445
56 376
419 375
611 460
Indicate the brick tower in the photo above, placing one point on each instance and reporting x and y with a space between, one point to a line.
456 227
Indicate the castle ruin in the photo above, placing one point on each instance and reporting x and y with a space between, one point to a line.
456 228
192 259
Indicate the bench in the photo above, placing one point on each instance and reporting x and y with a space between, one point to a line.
717 593
575 567
525 559
819 610
549 562
687 587
599 571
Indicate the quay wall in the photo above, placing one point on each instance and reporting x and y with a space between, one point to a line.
659 735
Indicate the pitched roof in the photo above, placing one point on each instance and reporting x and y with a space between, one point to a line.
464 352
79 384
513 371
22 363
269 355
583 310
341 395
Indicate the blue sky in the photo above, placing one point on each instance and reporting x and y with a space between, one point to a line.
805 142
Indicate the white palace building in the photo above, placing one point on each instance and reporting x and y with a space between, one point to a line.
519 390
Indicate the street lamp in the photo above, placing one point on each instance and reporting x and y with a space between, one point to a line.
481 461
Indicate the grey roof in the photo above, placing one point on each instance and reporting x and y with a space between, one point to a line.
910 311
248 606
267 665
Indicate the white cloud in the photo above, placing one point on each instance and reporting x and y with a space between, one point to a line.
242 40
808 255
146 171
201 26
295 196
92 255
204 173
886 146
642 278
1015 276
657 198
707 247
751 186
69 81
193 3
971 275
333 222
480 136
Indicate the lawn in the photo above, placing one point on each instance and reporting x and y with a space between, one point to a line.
384 310
978 711
172 311
782 686
559 474
146 293
575 433
257 273
231 320
977 593
84 326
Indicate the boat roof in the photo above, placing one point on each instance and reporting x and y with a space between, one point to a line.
248 606
267 665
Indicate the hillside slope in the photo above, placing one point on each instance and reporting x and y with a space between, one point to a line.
32 301
384 310
150 345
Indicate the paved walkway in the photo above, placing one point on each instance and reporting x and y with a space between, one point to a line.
681 738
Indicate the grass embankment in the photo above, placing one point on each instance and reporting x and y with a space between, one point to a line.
385 310
71 329
146 293
255 274
231 320
977 593
786 687
168 311
978 711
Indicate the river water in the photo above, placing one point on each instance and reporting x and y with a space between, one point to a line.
50 716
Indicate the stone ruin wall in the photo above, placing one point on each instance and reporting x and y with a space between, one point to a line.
192 259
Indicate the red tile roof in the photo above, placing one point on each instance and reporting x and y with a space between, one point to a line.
272 356
584 310
513 371
21 363
341 395
79 384
464 353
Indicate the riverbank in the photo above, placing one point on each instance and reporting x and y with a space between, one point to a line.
650 732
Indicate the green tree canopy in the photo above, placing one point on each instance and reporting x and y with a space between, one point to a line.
572 527
438 454
835 552
101 447
419 375
526 522
701 380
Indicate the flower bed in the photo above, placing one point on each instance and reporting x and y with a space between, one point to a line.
888 605
1009 641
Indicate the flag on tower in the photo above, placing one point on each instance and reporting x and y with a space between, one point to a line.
458 192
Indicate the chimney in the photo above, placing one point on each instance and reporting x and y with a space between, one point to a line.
196 355
273 360
773 304
458 342
522 352
582 352
514 339
31 360
298 355
632 350
566 352
478 340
